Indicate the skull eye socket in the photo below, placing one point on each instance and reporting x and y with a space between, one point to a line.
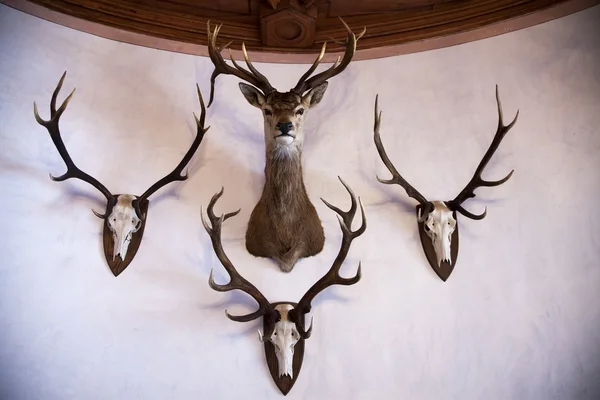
426 228
268 112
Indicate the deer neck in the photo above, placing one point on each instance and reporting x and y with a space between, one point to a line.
284 185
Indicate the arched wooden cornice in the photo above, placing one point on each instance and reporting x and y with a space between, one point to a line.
292 31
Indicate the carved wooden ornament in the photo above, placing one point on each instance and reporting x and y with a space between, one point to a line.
125 215
284 224
283 322
436 220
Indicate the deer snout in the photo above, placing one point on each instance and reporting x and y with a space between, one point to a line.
285 127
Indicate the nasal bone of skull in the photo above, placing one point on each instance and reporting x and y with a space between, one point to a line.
443 250
122 243
286 368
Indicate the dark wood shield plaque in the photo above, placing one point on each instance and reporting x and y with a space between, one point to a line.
445 269
117 265
284 383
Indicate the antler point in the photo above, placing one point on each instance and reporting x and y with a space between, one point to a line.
97 214
384 181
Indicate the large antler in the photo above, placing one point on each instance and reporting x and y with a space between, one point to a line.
305 83
221 67
332 277
72 171
236 280
396 177
476 181
176 174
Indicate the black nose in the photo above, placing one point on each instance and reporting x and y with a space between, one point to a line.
285 127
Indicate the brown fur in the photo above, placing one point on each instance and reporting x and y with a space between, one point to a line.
284 224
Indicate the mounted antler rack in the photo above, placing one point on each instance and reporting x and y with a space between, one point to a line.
284 330
125 214
438 226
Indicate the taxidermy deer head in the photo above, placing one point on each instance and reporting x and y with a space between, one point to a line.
125 215
283 322
438 227
284 224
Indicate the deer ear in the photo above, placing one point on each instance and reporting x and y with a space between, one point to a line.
252 94
314 96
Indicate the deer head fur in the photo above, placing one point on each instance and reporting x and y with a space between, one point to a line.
284 224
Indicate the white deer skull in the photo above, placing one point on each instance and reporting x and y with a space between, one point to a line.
123 222
284 338
439 226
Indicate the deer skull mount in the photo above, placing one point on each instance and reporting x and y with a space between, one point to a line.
125 215
284 224
283 322
284 338
439 225
123 222
437 222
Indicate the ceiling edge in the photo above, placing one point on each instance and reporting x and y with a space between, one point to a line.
513 24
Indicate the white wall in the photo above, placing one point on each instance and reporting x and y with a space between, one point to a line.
518 319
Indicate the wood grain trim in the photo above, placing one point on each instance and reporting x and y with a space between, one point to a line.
420 38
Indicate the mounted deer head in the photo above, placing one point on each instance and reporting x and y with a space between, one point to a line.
438 227
284 224
125 215
283 322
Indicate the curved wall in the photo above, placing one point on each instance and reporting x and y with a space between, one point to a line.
518 318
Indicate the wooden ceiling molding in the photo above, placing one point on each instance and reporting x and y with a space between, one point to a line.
293 31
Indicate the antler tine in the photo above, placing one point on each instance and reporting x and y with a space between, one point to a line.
221 67
236 280
332 276
396 177
305 83
254 71
52 125
348 216
176 174
315 64
476 181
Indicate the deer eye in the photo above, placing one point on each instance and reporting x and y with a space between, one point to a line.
268 112
300 111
